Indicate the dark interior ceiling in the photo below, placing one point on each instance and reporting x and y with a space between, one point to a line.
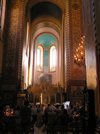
45 8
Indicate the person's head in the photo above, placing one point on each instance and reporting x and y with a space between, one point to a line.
75 112
65 111
77 103
30 106
57 106
42 105
18 108
71 106
75 109
62 106
26 103
48 105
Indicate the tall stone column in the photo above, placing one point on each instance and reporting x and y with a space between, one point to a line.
9 79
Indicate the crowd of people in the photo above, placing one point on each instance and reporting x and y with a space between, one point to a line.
29 115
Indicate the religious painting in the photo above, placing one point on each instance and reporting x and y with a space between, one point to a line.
52 99
46 77
45 98
58 96
37 98
31 97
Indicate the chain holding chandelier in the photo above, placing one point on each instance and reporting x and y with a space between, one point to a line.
79 57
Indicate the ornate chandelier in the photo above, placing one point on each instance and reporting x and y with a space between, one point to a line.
79 57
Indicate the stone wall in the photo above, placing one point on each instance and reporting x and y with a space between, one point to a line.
90 49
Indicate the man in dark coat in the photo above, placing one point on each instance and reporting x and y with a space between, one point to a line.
25 114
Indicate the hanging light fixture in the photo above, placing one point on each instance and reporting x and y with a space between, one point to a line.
79 57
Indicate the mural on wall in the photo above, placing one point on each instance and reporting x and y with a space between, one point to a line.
47 78
46 40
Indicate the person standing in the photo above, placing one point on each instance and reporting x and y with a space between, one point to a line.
25 114
18 119
38 115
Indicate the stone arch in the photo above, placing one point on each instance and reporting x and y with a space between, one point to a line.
60 3
64 5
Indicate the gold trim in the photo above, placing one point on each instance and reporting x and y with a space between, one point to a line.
21 95
46 89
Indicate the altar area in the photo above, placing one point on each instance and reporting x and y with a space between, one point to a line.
46 93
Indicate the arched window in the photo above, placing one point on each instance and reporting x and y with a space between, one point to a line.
52 51
40 55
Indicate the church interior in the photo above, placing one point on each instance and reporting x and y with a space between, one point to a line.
50 52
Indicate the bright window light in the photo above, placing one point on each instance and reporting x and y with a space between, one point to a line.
38 57
52 58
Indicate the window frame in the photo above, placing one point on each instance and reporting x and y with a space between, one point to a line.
39 68
52 68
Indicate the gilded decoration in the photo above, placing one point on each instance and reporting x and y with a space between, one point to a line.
47 91
75 6
77 72
76 24
77 33
15 4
